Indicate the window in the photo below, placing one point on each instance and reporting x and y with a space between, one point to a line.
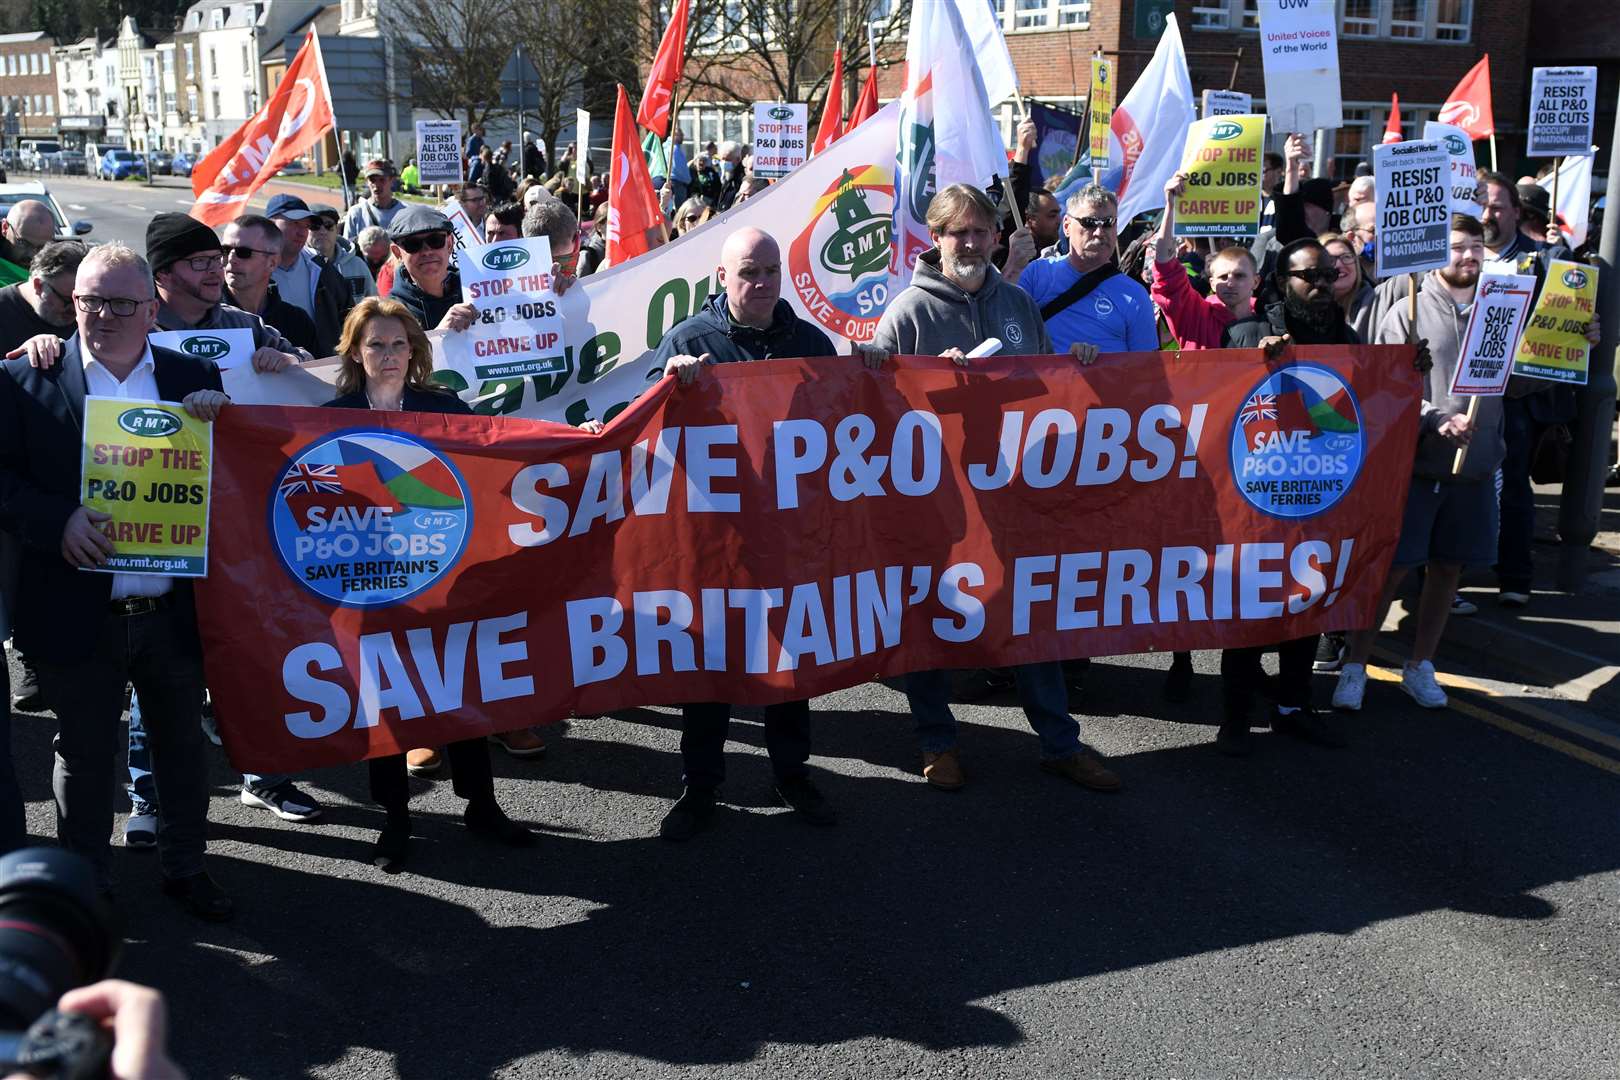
1031 15
1251 14
1350 142
247 65
191 61
50 104
45 63
1407 18
1360 18
191 103
732 127
215 99
169 102
1210 15
1452 19
1074 12
213 62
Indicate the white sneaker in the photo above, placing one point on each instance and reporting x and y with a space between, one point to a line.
1420 684
1352 687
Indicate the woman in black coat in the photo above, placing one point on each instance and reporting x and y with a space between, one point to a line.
387 362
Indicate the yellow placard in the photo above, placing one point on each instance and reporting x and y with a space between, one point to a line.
1100 105
1554 345
149 465
1223 162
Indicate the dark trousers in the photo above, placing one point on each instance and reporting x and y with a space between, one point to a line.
1516 533
1241 674
703 740
13 833
159 657
470 776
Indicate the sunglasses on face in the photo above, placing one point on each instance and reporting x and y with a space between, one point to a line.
1095 223
246 253
321 224
413 244
1322 276
119 306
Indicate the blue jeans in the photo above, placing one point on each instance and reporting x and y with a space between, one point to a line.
1040 691
1515 567
142 788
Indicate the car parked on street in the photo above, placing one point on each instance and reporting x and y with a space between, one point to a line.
120 165
162 163
184 163
65 163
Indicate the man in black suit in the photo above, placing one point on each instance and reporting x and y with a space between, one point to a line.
94 633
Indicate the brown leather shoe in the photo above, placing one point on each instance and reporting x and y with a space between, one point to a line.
1085 769
943 771
522 743
424 762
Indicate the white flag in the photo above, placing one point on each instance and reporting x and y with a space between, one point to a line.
1574 198
946 134
983 28
1150 128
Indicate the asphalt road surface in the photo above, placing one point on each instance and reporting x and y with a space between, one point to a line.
1436 900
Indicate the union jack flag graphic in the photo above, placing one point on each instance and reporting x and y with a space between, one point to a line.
1257 408
311 480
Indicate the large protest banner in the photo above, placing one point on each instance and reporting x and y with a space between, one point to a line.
832 220
1299 53
1222 162
1414 207
1563 105
782 529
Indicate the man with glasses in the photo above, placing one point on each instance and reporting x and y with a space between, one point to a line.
1359 224
330 248
94 633
1082 295
28 227
475 201
427 282
252 245
555 220
304 281
379 207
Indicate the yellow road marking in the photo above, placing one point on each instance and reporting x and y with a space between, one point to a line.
1551 742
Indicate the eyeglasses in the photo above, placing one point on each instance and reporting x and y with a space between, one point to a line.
321 224
415 243
202 263
473 197
1346 259
1094 223
59 294
246 253
692 219
119 306
1320 277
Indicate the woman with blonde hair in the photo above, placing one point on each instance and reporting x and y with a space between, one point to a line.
388 367
1351 290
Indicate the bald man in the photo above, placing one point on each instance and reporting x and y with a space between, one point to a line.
28 227
746 320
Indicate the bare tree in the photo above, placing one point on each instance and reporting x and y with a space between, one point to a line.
452 52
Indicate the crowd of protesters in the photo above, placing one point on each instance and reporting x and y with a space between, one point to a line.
308 280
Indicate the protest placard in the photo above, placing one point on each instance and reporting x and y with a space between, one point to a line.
781 137
1413 182
469 233
1222 161
1563 101
518 331
582 148
1554 344
1500 305
227 348
1100 107
1299 52
1464 175
438 151
148 464
1227 103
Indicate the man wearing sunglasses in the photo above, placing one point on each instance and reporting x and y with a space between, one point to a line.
252 244
329 247
1082 295
94 633
427 282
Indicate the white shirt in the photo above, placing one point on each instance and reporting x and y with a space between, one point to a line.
139 385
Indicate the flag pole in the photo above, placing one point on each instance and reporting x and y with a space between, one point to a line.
1493 151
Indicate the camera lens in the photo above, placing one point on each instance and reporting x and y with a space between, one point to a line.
55 932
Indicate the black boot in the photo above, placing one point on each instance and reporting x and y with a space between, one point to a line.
486 818
26 696
1178 680
1306 725
690 815
392 843
1232 737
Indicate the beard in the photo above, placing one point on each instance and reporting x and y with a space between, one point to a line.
1465 278
1319 315
1493 233
966 272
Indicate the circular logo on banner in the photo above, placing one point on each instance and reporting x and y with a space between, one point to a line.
205 348
365 518
149 423
1297 442
505 258
1225 130
839 262
1575 278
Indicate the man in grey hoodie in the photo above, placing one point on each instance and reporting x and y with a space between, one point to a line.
1451 518
955 301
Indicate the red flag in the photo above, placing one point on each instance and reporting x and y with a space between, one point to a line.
866 106
832 113
632 202
1469 106
1392 129
666 68
297 115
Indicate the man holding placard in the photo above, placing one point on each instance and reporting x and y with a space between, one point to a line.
93 633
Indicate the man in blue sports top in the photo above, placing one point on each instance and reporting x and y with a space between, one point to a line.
1109 310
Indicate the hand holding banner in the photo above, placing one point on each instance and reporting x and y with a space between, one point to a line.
148 464
518 332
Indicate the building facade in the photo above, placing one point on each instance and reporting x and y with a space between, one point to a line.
87 94
27 88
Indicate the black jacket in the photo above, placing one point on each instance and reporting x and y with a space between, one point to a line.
433 401
1247 333
429 310
289 320
60 608
712 331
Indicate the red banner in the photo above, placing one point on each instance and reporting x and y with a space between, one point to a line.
381 581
